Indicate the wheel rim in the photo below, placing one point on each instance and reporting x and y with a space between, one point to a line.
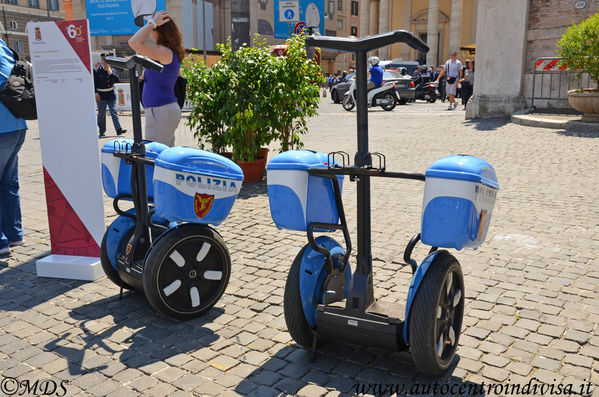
449 317
390 101
191 274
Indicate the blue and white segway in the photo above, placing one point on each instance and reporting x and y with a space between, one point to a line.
323 299
164 246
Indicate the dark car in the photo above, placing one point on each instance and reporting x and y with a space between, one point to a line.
403 86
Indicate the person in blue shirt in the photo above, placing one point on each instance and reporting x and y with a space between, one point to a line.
12 136
376 73
104 80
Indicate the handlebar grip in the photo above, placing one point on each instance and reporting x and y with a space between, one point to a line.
145 62
133 61
368 43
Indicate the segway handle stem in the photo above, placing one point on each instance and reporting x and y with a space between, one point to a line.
133 61
368 43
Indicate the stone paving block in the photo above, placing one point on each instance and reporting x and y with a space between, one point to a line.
496 374
188 382
551 330
578 360
312 391
209 388
519 368
223 362
565 345
546 363
495 361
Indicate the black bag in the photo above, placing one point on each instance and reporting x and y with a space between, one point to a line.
451 80
18 94
180 88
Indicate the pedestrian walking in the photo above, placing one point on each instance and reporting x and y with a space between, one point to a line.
161 40
104 81
468 83
12 136
453 70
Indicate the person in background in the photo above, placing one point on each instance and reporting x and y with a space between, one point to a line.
433 73
376 73
421 80
453 70
104 81
468 83
160 40
12 136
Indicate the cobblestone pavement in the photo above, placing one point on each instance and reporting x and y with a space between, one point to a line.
532 290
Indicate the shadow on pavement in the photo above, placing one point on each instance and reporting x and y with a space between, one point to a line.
350 370
249 190
21 289
130 329
579 134
489 124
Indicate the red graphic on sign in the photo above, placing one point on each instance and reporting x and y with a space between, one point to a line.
299 27
202 203
68 235
76 34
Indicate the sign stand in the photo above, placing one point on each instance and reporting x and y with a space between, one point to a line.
64 90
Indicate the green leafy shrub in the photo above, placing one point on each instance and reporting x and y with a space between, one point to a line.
579 47
249 98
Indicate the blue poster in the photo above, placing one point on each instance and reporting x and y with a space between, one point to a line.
111 17
292 17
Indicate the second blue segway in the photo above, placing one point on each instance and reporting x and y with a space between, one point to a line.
323 299
164 246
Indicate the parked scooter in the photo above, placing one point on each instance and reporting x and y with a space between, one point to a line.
384 96
428 92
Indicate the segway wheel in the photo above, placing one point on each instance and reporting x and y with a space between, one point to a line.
186 271
297 325
432 100
107 265
118 234
436 316
390 99
348 103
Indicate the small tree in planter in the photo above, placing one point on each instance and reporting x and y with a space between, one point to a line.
296 94
579 48
250 99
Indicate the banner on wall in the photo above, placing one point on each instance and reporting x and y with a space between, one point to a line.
112 17
293 16
61 58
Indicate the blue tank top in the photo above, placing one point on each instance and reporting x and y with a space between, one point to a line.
159 88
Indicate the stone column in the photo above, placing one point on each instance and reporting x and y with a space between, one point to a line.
501 33
374 17
455 25
384 25
432 32
406 10
364 18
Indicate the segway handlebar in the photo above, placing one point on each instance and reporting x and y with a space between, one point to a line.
133 61
368 43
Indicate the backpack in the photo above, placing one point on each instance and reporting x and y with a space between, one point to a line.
18 94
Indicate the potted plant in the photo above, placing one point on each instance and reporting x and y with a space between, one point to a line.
250 98
579 48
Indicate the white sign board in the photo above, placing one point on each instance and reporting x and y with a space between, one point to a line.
64 94
289 11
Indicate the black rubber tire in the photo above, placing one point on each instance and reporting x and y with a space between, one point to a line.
297 325
391 99
402 101
159 254
110 271
348 103
432 100
424 313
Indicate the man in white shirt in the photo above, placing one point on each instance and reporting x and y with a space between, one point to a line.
453 68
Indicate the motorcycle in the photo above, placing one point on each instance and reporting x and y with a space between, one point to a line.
384 96
428 92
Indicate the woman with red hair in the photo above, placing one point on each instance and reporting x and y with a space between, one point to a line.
160 40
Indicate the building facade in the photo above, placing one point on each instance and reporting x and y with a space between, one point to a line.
511 36
445 25
15 14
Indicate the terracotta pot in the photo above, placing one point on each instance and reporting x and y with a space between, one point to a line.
586 102
253 171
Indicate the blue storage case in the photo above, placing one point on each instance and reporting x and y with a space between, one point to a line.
193 185
297 198
116 173
459 197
